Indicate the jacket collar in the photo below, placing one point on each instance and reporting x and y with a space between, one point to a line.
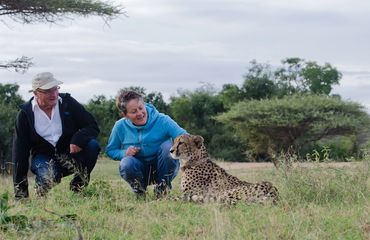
34 102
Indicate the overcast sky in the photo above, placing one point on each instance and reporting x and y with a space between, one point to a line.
166 45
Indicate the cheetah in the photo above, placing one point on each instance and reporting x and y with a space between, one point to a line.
203 180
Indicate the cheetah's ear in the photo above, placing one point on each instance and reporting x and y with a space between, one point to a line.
198 140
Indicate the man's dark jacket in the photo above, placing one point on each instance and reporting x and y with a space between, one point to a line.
78 127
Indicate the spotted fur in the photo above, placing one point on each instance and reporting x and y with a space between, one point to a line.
203 180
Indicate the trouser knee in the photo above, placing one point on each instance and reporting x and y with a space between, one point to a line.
127 168
167 166
93 147
87 158
165 147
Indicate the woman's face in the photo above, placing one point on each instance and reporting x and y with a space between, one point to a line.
136 112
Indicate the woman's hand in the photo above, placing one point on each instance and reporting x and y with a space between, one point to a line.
131 151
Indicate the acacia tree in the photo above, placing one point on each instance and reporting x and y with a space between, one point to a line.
51 11
272 125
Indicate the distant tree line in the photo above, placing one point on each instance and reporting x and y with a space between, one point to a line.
275 109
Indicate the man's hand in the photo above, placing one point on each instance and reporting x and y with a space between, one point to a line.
131 151
73 148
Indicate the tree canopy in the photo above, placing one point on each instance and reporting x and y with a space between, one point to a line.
294 75
259 82
30 11
297 75
293 121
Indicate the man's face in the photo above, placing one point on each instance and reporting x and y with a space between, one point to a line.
47 98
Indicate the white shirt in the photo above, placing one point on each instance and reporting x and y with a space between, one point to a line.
48 128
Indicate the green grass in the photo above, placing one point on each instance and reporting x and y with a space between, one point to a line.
316 203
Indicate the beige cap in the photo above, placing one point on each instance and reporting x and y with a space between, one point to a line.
44 80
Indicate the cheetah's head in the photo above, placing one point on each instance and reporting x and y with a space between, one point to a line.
187 147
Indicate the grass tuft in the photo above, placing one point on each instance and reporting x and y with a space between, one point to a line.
321 184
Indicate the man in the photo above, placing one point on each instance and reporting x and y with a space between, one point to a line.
57 134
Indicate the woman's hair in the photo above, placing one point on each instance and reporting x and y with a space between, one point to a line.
123 97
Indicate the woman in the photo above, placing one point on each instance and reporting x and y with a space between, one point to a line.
141 140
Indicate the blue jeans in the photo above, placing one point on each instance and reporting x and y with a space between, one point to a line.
162 168
51 169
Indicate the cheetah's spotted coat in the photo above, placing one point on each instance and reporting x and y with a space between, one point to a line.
203 180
